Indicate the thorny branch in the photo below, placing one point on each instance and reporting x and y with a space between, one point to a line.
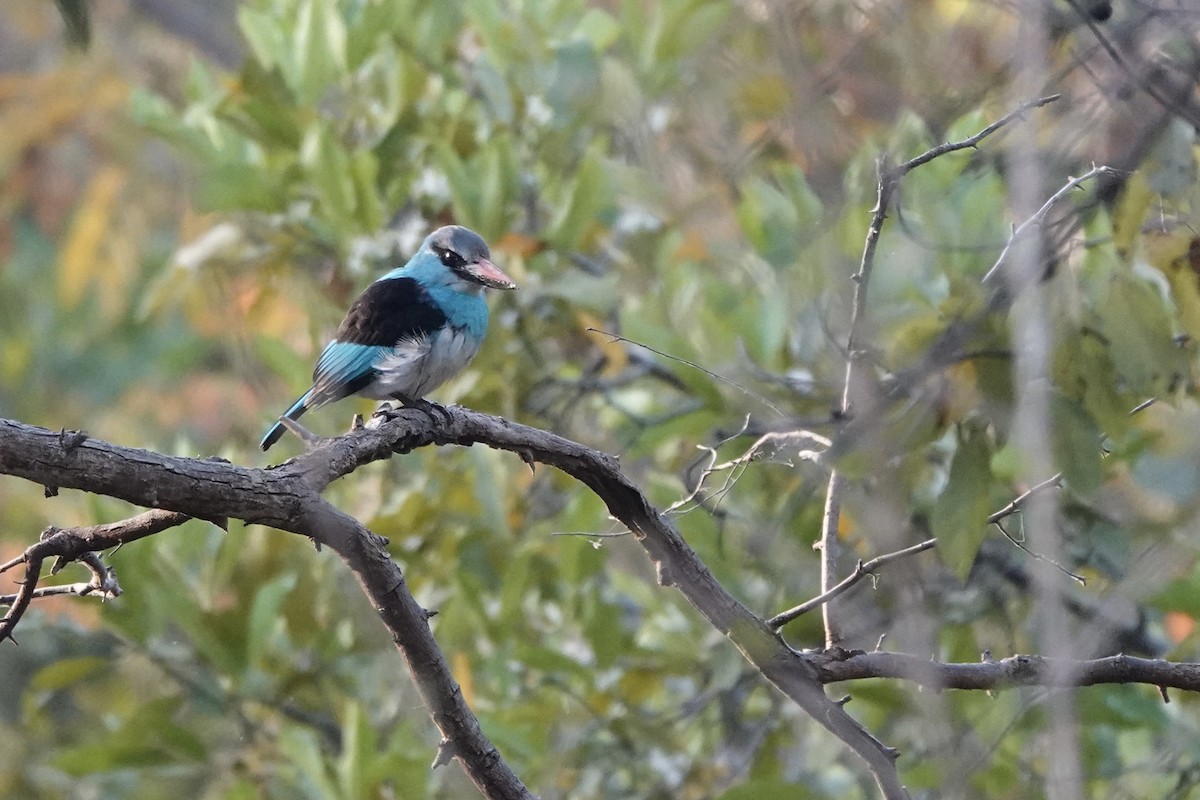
862 570
889 178
77 544
287 497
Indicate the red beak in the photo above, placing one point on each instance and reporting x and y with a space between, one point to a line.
490 275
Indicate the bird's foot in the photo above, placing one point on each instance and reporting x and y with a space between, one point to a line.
309 438
438 414
384 413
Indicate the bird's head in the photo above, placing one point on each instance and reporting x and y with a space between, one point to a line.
464 253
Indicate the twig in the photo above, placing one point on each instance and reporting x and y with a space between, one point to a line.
888 179
1038 216
863 569
616 337
779 439
972 141
1014 505
79 544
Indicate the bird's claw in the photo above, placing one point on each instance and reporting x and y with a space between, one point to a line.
309 438
436 413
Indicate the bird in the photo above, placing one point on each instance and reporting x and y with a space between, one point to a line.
410 331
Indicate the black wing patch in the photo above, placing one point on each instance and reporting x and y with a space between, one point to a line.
389 310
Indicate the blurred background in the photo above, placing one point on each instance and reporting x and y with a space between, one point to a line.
192 194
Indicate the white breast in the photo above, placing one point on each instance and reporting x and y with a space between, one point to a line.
416 367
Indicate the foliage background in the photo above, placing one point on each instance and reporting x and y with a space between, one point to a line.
190 204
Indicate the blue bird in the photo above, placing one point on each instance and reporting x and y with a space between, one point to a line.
411 330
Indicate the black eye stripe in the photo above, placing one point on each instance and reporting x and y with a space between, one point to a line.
448 257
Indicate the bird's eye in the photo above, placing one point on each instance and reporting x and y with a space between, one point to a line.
448 257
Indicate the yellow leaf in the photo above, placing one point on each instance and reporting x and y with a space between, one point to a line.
693 247
616 357
80 263
1177 256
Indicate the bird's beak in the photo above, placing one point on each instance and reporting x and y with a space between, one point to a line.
490 275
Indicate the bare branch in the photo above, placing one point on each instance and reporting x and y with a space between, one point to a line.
861 571
1022 230
888 180
1018 670
77 544
287 497
972 141
1014 505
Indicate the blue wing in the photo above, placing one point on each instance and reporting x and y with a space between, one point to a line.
343 369
275 431
393 308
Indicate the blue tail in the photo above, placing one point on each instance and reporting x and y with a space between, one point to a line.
276 431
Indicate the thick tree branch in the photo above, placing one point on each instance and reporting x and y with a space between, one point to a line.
1019 670
287 497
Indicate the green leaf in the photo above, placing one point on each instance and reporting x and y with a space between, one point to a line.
263 33
264 617
961 510
327 165
1076 444
589 193
232 187
66 671
78 21
599 28
319 49
358 750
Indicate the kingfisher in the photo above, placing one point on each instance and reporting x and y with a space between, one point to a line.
411 330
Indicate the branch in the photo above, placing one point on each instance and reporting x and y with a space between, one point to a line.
77 544
287 497
888 181
1018 670
862 570
1038 216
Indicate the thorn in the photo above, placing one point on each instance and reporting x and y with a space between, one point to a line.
445 753
879 644
892 753
986 657
841 702
50 491
356 424
527 457
70 441
1162 692
430 613
316 544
